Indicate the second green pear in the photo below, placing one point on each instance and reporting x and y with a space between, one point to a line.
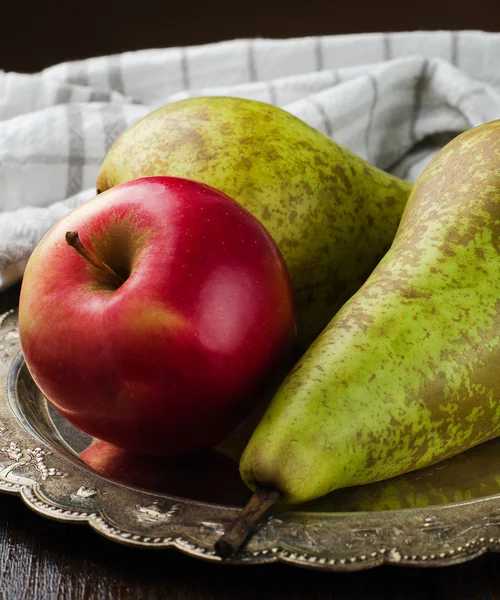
332 214
407 373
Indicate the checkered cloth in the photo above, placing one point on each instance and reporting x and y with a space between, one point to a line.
392 98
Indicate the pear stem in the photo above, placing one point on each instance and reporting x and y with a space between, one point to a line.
237 532
73 240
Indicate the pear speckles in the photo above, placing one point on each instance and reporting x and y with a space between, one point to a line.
410 362
323 205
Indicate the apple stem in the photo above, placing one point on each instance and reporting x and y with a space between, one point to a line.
73 240
237 531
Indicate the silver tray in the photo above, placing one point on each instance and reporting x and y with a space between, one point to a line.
446 514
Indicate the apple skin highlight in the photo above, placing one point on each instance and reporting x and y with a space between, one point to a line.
171 360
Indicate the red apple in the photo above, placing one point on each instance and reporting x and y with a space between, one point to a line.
161 334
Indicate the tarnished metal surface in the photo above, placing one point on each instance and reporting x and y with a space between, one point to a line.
39 460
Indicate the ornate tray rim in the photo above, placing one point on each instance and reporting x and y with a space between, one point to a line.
435 536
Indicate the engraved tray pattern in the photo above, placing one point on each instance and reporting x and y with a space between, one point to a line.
36 464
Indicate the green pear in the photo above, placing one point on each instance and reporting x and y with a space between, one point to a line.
331 213
407 373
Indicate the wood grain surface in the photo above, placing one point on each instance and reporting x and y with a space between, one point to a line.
42 559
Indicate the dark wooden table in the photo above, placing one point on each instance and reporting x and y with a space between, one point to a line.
42 559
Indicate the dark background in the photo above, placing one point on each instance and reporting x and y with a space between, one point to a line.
37 34
42 559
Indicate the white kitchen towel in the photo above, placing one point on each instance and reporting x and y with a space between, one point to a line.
393 98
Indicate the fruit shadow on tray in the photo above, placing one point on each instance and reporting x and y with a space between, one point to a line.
213 476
